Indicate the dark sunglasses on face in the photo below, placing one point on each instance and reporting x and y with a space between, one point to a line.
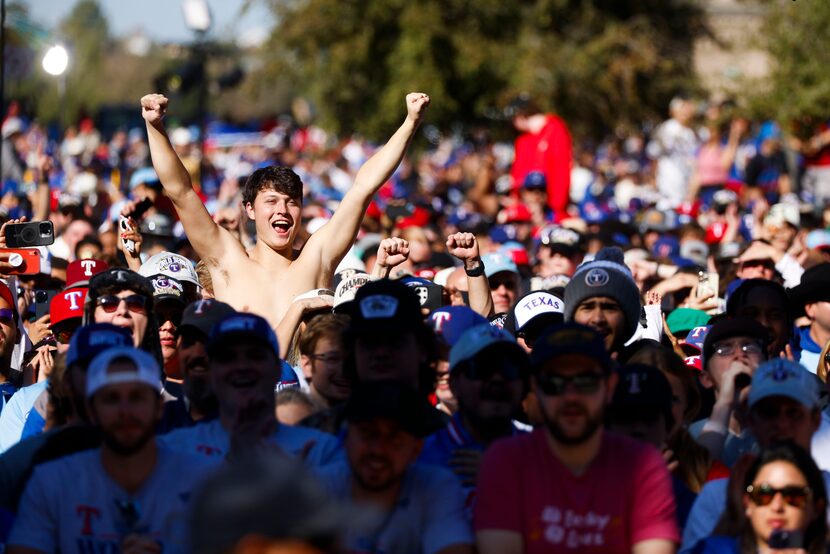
477 371
554 385
6 316
763 494
135 303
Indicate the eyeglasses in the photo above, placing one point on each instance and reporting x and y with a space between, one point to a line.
484 371
762 495
827 358
554 385
6 316
751 348
328 358
135 303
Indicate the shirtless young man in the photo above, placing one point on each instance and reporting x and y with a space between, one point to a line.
267 279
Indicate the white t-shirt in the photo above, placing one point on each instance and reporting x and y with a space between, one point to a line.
212 441
72 505
428 517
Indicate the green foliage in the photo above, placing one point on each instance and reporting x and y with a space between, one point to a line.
796 37
599 63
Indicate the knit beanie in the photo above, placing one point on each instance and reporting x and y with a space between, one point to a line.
606 275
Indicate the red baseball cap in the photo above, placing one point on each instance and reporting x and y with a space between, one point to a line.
517 213
67 304
6 294
79 272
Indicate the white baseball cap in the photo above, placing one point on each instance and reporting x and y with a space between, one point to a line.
172 265
347 289
99 375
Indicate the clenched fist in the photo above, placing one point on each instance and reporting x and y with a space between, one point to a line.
392 252
153 108
463 246
416 105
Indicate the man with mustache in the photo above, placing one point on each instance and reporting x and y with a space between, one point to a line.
570 486
602 294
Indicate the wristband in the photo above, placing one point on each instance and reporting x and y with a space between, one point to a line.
478 271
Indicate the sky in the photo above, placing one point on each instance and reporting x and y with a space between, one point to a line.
161 20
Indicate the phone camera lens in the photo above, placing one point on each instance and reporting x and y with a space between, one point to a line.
45 228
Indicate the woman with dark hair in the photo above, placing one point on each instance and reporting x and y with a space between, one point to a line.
779 503
125 299
767 303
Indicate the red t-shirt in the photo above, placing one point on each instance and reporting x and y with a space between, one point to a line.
624 497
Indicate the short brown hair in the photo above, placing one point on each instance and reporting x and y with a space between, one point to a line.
323 325
273 177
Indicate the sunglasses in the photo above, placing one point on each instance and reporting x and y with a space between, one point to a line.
762 495
751 348
6 316
135 303
487 370
554 385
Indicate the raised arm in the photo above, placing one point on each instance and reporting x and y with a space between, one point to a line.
331 242
465 247
208 239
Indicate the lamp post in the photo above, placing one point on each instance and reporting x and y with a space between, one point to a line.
198 19
55 62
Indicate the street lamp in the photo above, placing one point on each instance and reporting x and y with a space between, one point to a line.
55 62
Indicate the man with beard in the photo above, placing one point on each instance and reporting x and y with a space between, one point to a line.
126 496
569 486
602 294
418 508
488 370
243 373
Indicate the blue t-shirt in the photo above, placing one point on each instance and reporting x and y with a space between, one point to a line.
14 415
428 517
212 441
7 390
72 505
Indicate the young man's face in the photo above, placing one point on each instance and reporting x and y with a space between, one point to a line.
779 418
572 392
553 262
127 414
743 350
819 313
606 316
393 355
243 373
326 364
490 387
770 311
277 217
379 451
504 287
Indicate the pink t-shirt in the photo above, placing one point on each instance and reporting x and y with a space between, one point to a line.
710 170
624 497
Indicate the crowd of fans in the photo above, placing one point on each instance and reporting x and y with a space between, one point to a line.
287 340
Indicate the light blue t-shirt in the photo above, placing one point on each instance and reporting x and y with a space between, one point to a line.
14 415
734 446
212 441
428 517
708 509
72 505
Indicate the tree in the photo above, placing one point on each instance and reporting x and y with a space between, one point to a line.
598 63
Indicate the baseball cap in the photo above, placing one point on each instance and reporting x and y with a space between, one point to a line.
782 377
695 250
535 180
533 312
642 391
202 315
6 294
99 375
496 262
782 213
347 289
144 175
569 338
172 265
121 278
562 240
686 319
450 322
385 306
696 336
67 304
813 287
733 327
90 340
79 272
242 325
166 288
516 213
481 337
158 225
396 401
818 239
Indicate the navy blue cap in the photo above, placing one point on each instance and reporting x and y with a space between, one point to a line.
569 338
90 340
243 325
535 180
450 322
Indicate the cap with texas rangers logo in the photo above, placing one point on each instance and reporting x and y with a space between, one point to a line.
166 288
79 272
782 377
66 305
242 325
202 315
450 322
172 265
385 306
